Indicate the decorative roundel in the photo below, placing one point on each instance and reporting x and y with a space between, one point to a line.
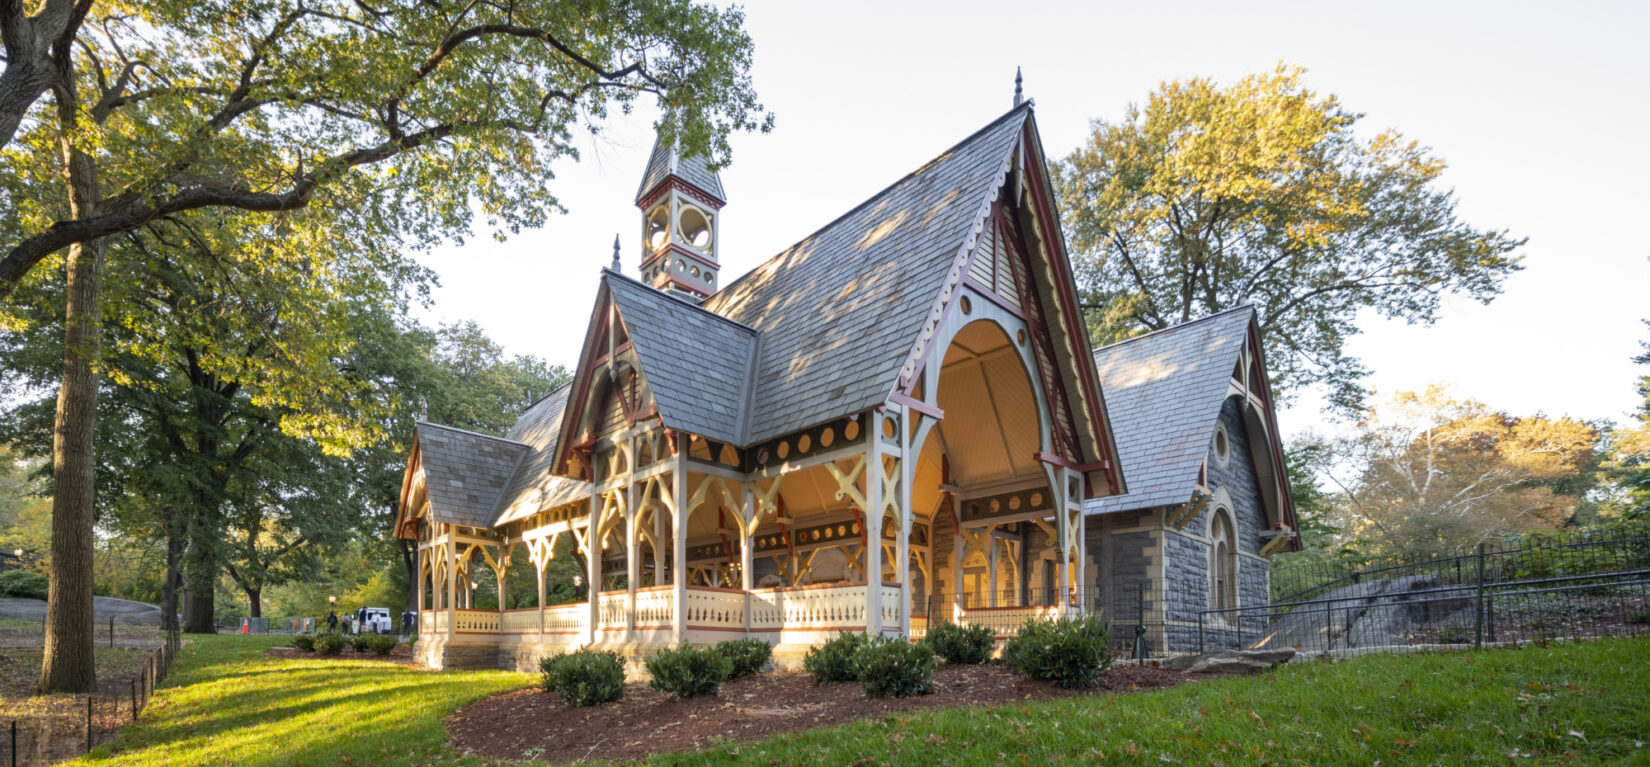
1020 337
803 443
841 529
827 436
856 528
1036 499
1223 445
762 456
829 533
851 431
1014 503
889 428
967 305
995 506
784 450
695 228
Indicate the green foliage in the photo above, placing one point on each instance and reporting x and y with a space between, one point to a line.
380 644
330 643
22 584
1069 653
688 671
360 642
1628 466
585 677
1263 192
1453 634
745 656
305 642
891 667
833 659
962 644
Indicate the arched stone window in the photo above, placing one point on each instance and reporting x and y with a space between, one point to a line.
1222 562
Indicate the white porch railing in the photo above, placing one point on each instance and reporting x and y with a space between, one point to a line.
520 621
613 609
565 619
832 606
715 608
475 621
655 607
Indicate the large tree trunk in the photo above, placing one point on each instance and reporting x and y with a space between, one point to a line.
409 558
66 665
174 572
197 612
254 603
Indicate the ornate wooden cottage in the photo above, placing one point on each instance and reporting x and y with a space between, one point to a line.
897 419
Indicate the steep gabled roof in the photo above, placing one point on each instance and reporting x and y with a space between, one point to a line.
665 160
698 365
839 310
534 487
465 473
1164 391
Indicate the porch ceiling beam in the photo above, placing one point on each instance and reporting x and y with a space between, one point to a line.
817 459
994 488
1039 516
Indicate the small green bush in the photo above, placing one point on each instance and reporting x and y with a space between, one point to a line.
22 584
891 667
1456 634
305 642
380 644
584 678
360 642
962 644
688 671
1069 653
748 656
833 661
1638 617
330 643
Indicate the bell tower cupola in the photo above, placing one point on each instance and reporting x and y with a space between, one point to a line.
681 201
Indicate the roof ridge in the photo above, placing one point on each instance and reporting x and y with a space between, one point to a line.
683 301
1024 107
1159 331
505 440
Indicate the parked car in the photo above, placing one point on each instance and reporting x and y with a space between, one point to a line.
373 620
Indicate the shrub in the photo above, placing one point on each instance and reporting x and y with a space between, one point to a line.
1638 617
833 661
380 644
1456 634
305 642
22 584
360 642
891 667
962 644
1069 653
748 656
584 678
330 643
688 671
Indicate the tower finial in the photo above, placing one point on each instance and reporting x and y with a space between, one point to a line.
1017 98
616 267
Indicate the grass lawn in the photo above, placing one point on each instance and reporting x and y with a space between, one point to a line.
1582 703
225 703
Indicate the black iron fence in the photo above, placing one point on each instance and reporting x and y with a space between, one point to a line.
1574 589
56 728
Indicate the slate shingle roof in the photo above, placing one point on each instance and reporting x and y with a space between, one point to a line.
694 170
1164 391
839 310
697 364
534 488
464 472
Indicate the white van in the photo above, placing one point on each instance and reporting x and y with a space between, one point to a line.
375 620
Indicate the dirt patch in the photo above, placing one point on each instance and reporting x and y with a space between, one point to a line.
532 724
402 654
53 728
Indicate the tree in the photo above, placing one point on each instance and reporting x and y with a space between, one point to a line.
411 116
1428 471
1313 506
1208 198
1629 463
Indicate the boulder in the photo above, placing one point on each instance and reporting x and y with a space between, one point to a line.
1229 661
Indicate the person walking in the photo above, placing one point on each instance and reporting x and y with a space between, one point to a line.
332 622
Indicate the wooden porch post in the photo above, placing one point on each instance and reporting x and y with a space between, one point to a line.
991 565
538 569
873 526
904 516
593 569
632 561
678 542
452 581
747 506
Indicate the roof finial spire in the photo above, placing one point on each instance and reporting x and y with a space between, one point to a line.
616 266
1017 98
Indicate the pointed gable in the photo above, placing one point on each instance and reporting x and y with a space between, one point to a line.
1165 390
465 473
665 162
838 311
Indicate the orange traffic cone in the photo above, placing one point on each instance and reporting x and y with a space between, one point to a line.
246 626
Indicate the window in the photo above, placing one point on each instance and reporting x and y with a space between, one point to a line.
1223 447
695 228
658 228
1222 563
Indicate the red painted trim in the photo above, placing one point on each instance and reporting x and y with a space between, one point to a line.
740 629
673 181
1086 371
716 589
1286 501
675 247
918 405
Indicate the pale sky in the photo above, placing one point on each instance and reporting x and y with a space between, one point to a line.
1539 109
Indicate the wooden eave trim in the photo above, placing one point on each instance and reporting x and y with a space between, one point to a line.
1286 500
1088 377
579 396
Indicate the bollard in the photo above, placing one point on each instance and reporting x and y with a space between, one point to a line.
134 700
88 724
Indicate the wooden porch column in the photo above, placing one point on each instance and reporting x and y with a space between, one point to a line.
991 565
658 553
904 515
633 568
747 507
678 543
419 564
593 569
959 550
538 569
452 581
873 526
502 575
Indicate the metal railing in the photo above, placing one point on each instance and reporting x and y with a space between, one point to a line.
71 726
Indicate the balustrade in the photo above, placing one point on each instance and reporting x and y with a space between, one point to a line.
475 621
715 608
523 621
655 607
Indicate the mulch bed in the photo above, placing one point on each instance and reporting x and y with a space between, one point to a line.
532 724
